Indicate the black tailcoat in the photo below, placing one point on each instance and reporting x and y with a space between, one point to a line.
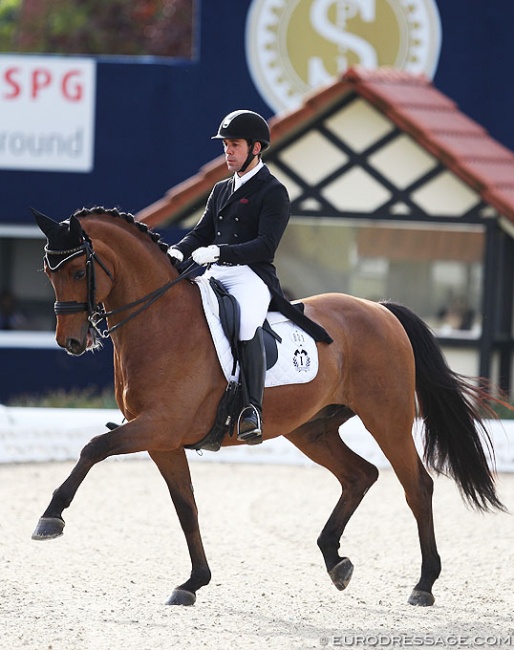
248 225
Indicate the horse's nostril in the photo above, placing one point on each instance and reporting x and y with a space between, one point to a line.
74 347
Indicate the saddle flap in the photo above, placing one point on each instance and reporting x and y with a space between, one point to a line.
296 356
230 316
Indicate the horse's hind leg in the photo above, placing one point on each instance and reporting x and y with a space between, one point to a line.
175 471
320 442
399 448
418 487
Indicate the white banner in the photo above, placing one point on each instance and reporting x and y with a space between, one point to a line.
47 111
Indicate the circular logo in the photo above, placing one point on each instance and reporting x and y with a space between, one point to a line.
295 46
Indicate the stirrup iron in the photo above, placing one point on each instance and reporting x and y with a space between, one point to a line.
253 436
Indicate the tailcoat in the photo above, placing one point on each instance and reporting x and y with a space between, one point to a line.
248 225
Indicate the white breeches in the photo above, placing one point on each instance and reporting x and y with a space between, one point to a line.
249 290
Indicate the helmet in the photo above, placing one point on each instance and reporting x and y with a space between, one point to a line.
244 125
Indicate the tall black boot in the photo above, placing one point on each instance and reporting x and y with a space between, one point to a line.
252 359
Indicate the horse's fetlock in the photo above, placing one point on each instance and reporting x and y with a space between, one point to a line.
201 576
327 543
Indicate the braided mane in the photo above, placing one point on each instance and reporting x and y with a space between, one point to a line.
126 216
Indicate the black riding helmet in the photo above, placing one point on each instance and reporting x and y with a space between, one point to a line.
244 125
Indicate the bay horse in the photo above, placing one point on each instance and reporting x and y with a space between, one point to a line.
168 384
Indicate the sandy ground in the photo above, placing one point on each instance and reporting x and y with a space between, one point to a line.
103 585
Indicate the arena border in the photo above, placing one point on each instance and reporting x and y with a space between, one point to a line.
31 435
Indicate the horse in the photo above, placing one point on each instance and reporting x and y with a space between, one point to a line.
384 366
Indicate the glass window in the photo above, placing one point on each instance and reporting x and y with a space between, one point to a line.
437 272
26 296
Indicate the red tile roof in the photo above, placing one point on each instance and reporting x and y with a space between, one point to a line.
409 101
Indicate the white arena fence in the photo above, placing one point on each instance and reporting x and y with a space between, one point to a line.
57 434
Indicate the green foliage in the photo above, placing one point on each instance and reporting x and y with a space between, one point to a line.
122 27
9 12
504 412
86 398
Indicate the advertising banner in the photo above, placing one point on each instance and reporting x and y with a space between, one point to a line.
47 113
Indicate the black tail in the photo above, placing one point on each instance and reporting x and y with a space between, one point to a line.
457 442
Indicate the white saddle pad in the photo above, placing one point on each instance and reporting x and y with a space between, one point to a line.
297 353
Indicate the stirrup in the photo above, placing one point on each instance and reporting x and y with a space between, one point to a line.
253 436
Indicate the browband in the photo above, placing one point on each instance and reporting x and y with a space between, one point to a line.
71 254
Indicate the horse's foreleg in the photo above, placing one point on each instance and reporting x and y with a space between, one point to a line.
175 471
125 440
320 441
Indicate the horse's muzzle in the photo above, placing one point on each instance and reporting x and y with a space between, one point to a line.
75 347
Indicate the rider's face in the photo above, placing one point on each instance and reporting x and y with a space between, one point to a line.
236 152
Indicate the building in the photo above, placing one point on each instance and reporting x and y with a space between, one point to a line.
396 194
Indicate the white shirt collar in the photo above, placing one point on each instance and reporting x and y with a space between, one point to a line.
241 180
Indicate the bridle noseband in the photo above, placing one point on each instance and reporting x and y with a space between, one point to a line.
95 311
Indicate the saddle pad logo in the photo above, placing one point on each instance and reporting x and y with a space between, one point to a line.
301 358
295 46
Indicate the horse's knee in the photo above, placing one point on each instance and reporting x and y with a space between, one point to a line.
95 450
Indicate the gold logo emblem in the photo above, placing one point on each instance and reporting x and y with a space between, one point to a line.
295 46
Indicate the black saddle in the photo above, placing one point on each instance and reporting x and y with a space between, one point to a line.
230 316
231 402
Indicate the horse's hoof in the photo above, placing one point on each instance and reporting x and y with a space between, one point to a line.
341 574
421 598
48 528
181 597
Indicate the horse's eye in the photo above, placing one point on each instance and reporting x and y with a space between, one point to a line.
79 274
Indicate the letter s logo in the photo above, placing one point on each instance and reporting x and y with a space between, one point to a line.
336 33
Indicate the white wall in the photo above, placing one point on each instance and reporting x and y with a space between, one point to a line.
42 435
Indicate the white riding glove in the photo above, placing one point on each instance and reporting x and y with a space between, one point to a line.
206 255
175 254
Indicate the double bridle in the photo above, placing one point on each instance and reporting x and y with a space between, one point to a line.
95 311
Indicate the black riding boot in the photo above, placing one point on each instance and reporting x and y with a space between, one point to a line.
252 359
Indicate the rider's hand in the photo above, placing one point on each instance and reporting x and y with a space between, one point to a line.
206 255
176 255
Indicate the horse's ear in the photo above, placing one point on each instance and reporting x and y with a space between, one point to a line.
76 228
45 223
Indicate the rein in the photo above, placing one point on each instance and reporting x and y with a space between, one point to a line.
96 312
100 314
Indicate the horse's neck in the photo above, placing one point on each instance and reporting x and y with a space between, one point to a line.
177 312
172 328
136 263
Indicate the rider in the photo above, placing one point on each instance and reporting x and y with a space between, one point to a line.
237 236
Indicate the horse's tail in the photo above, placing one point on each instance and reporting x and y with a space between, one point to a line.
457 442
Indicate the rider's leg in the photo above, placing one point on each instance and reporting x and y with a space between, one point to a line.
254 298
253 371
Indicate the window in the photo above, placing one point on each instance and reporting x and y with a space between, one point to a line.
435 272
